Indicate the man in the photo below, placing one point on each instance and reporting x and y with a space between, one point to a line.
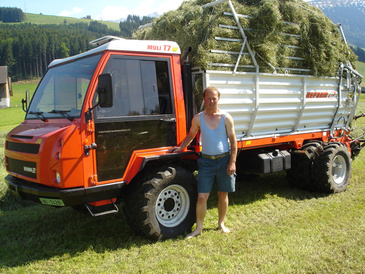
218 159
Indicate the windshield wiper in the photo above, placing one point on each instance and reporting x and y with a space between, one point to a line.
64 113
39 115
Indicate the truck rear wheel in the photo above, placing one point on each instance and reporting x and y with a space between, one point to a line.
332 169
162 203
300 174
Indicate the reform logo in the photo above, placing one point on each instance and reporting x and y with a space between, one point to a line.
321 94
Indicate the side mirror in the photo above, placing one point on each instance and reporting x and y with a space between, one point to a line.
25 101
105 90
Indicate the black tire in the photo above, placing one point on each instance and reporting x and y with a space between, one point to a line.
332 169
300 173
161 205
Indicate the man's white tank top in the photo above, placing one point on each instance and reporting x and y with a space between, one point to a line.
214 141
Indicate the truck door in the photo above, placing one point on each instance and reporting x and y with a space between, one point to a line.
142 114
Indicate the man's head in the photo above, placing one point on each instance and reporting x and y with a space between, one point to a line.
211 96
212 89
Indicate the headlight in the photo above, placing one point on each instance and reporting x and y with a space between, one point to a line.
60 142
58 155
58 178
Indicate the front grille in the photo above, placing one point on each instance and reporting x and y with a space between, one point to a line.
24 168
22 136
22 147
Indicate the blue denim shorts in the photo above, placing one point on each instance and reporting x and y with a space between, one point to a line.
211 171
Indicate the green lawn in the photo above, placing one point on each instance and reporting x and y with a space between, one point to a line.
275 229
60 20
15 115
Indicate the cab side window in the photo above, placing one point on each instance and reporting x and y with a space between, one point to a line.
140 87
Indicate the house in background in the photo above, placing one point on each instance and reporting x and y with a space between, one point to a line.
5 87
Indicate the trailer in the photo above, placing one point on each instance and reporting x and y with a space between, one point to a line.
99 126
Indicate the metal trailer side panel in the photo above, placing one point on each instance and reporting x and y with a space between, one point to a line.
277 104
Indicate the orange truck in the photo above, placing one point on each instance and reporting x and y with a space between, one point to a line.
99 125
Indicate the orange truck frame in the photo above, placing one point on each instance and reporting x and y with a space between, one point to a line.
99 125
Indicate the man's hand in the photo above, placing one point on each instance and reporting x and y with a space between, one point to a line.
231 168
174 149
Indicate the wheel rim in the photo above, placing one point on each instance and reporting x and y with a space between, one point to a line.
339 169
172 205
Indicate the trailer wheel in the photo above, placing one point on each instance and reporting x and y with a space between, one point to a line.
332 169
300 174
163 204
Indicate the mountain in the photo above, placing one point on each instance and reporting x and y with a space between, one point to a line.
322 4
350 14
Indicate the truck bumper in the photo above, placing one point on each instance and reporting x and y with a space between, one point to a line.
63 197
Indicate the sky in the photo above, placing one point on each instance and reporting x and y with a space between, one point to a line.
107 10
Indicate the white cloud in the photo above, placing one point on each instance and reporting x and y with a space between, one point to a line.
70 13
146 7
113 13
169 5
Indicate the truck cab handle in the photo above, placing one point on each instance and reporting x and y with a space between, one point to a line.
87 148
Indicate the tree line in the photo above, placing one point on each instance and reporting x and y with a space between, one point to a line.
11 15
132 23
27 49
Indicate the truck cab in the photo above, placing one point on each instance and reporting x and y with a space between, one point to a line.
74 147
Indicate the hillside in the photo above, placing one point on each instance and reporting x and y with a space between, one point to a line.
28 48
60 20
322 4
350 14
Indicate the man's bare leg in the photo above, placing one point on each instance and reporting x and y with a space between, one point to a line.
201 210
222 210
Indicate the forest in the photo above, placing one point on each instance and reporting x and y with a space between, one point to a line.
8 15
27 48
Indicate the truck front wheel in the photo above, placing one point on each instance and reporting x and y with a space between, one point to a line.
162 203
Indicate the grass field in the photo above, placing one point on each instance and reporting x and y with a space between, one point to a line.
275 229
60 20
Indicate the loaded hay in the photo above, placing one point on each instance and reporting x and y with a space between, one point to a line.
284 35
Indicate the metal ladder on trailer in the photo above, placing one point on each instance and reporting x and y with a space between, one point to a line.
246 49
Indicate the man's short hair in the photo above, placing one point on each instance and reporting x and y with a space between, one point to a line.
211 89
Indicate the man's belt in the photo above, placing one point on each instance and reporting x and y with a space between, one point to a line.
215 157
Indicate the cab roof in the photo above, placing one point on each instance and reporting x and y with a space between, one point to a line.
120 44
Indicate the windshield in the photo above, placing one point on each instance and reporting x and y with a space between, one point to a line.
62 90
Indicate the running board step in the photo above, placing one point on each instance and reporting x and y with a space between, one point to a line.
106 212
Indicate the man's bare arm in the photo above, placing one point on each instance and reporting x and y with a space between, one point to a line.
231 168
195 125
